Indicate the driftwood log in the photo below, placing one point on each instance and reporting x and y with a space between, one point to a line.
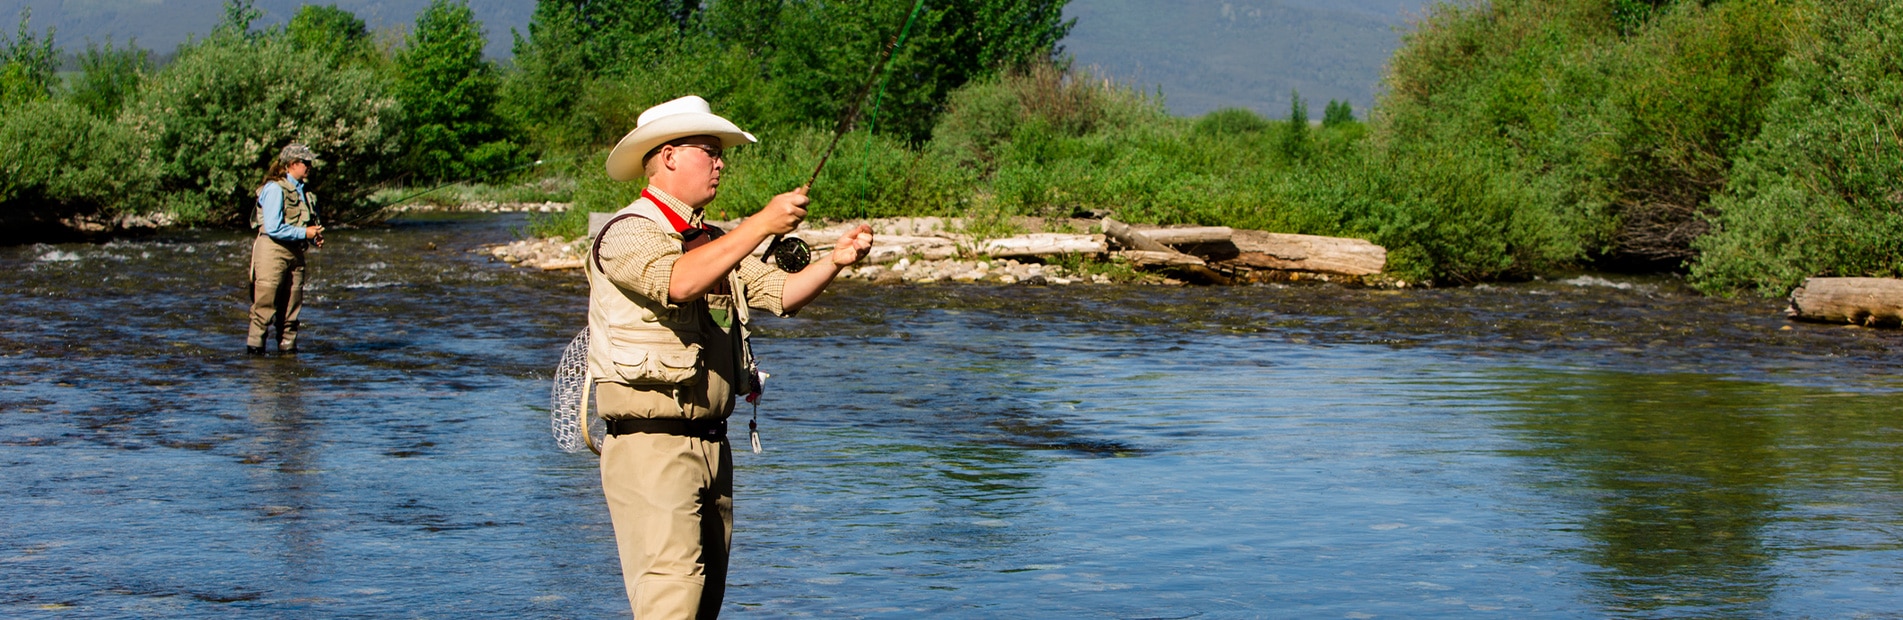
1334 255
1043 244
1150 252
1151 259
1859 301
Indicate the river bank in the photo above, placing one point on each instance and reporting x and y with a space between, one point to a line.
1047 251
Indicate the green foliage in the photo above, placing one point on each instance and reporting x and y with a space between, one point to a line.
27 64
109 77
211 121
574 45
1229 121
333 34
1294 143
1820 191
56 152
1337 113
449 98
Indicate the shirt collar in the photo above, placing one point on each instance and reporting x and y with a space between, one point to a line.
689 214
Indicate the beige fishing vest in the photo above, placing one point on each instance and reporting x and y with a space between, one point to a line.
297 206
637 341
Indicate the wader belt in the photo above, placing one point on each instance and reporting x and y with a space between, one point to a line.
715 430
295 244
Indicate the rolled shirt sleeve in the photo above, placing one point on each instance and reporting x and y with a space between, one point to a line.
764 285
271 200
638 256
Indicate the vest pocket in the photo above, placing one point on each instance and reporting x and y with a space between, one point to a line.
680 366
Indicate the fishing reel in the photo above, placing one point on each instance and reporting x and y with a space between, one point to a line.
791 254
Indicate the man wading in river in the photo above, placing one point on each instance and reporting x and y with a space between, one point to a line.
667 318
286 220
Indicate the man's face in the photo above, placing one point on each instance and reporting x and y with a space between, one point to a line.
698 160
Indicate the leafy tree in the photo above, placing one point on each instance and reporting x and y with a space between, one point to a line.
211 121
109 77
1337 113
1294 142
331 33
27 64
572 44
449 97
823 52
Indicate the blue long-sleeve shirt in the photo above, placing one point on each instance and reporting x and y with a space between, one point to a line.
271 199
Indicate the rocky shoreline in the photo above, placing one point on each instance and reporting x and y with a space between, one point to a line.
929 249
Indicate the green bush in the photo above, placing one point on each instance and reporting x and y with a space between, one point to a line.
56 152
26 66
108 77
211 121
1820 191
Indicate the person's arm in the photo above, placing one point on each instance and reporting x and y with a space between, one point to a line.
703 268
271 200
637 255
804 287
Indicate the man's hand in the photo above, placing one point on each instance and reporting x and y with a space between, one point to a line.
315 234
782 214
853 246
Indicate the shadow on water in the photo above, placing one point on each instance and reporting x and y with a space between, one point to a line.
1690 487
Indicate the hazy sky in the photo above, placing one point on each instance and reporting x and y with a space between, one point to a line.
1203 54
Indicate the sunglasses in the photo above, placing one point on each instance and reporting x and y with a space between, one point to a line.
713 152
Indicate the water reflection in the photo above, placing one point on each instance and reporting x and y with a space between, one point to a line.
281 463
1685 485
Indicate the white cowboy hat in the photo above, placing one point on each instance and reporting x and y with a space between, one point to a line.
680 118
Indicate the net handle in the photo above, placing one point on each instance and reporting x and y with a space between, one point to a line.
587 386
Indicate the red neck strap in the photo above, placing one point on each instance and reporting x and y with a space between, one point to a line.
680 225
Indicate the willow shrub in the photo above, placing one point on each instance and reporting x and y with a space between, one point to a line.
211 121
55 152
1819 192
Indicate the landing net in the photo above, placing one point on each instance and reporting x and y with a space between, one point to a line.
571 419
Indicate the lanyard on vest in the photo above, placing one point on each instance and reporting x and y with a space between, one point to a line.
680 225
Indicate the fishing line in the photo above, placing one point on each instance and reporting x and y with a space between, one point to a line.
793 254
575 425
405 199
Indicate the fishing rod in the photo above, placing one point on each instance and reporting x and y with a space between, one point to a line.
405 199
793 254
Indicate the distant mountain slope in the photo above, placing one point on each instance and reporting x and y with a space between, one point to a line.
160 25
1209 54
1204 54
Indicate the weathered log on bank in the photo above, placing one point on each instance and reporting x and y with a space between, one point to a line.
1147 252
1859 301
1044 244
1334 255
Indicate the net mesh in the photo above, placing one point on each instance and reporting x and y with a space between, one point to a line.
569 419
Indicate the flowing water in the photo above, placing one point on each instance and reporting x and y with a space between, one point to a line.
1588 448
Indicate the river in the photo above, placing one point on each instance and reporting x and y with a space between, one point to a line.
1586 447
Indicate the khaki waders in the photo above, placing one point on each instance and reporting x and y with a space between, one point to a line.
277 291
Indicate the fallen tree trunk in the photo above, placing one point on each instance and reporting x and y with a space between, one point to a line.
1859 301
1131 238
1150 259
1193 235
1043 244
1336 255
